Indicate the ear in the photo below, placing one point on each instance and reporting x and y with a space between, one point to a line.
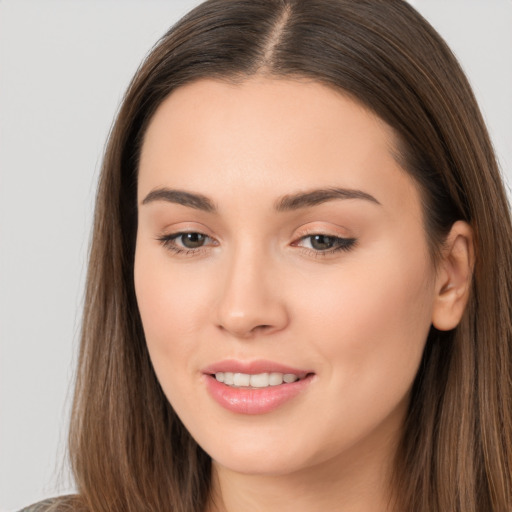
453 279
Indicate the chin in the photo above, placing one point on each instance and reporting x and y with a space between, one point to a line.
264 454
259 463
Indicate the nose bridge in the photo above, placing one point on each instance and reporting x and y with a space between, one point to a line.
250 299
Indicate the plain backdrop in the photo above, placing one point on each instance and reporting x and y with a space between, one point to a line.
64 66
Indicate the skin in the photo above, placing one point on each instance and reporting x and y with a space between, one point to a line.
260 289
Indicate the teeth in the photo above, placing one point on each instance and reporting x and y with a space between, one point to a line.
241 379
275 379
260 380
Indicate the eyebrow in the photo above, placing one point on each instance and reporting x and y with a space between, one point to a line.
319 196
288 202
197 201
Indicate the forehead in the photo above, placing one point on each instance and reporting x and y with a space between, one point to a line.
267 135
253 111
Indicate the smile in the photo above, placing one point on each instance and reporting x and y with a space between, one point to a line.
256 387
259 380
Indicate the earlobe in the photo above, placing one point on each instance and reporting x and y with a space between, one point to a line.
453 280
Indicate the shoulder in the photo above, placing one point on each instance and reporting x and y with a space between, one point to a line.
39 506
61 503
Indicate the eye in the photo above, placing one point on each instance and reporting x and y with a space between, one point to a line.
191 240
186 242
322 243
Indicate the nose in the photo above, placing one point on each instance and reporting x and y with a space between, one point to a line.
251 300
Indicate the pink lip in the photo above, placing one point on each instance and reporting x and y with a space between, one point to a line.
252 400
253 367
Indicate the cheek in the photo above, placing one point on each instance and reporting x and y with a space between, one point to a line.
371 324
169 304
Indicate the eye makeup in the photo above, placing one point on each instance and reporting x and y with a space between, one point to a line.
188 243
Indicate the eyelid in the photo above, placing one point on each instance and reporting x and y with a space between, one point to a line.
345 242
304 232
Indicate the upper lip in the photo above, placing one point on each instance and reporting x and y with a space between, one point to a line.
253 367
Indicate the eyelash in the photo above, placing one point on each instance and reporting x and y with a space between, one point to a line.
340 244
168 241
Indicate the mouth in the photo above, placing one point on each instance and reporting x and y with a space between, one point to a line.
256 387
256 381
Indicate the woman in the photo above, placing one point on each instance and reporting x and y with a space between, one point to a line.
299 285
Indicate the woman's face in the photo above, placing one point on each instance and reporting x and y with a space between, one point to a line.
278 238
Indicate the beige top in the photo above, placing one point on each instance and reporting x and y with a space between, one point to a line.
40 506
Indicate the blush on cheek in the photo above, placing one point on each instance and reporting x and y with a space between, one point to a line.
375 321
170 319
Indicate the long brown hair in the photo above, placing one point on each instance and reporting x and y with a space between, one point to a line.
129 451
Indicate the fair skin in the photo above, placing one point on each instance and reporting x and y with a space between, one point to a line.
256 284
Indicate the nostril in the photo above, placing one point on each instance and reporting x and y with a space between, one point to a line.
244 329
262 327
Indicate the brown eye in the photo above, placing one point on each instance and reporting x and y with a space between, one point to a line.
322 242
326 244
187 242
192 240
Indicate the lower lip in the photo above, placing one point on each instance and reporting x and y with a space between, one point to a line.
254 400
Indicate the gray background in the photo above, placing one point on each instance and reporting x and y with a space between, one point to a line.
64 66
